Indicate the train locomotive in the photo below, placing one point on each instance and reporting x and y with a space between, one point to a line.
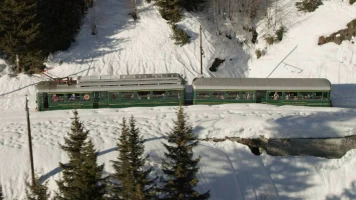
171 89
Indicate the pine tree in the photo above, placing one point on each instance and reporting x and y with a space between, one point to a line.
37 192
81 176
191 5
134 181
144 187
92 173
1 195
180 37
122 165
20 33
32 29
180 168
62 20
170 10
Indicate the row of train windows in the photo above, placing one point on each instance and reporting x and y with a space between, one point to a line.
145 95
68 97
272 95
298 96
229 95
115 96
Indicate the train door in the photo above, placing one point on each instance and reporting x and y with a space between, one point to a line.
100 99
189 95
96 99
261 96
45 101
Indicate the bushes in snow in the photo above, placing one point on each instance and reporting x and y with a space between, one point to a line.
280 32
258 53
171 11
308 5
181 38
341 35
269 39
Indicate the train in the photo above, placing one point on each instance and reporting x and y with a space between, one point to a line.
171 89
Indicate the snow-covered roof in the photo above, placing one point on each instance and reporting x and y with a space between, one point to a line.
311 84
115 83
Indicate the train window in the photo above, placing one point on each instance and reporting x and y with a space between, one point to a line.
57 98
325 95
158 94
202 95
217 95
243 96
127 95
275 95
143 95
250 95
232 95
173 94
115 96
291 95
103 96
306 95
247 95
73 97
318 95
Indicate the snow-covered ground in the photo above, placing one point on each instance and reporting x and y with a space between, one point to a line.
228 169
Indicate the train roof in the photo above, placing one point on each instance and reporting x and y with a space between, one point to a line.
115 83
281 84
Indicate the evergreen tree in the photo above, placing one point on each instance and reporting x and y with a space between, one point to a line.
144 187
32 29
62 20
170 10
180 168
81 176
180 37
37 192
1 195
20 33
134 181
122 165
191 5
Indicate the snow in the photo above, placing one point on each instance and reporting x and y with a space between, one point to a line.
228 169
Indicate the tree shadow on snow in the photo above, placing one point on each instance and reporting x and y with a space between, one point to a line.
313 125
230 171
57 170
349 193
239 174
109 23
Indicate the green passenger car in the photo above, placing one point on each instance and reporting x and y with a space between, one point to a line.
277 91
111 92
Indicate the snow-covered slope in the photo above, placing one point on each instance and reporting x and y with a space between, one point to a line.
228 169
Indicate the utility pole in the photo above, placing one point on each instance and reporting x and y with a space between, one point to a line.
201 53
30 143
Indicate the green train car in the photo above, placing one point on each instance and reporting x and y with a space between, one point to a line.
111 92
276 91
148 90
